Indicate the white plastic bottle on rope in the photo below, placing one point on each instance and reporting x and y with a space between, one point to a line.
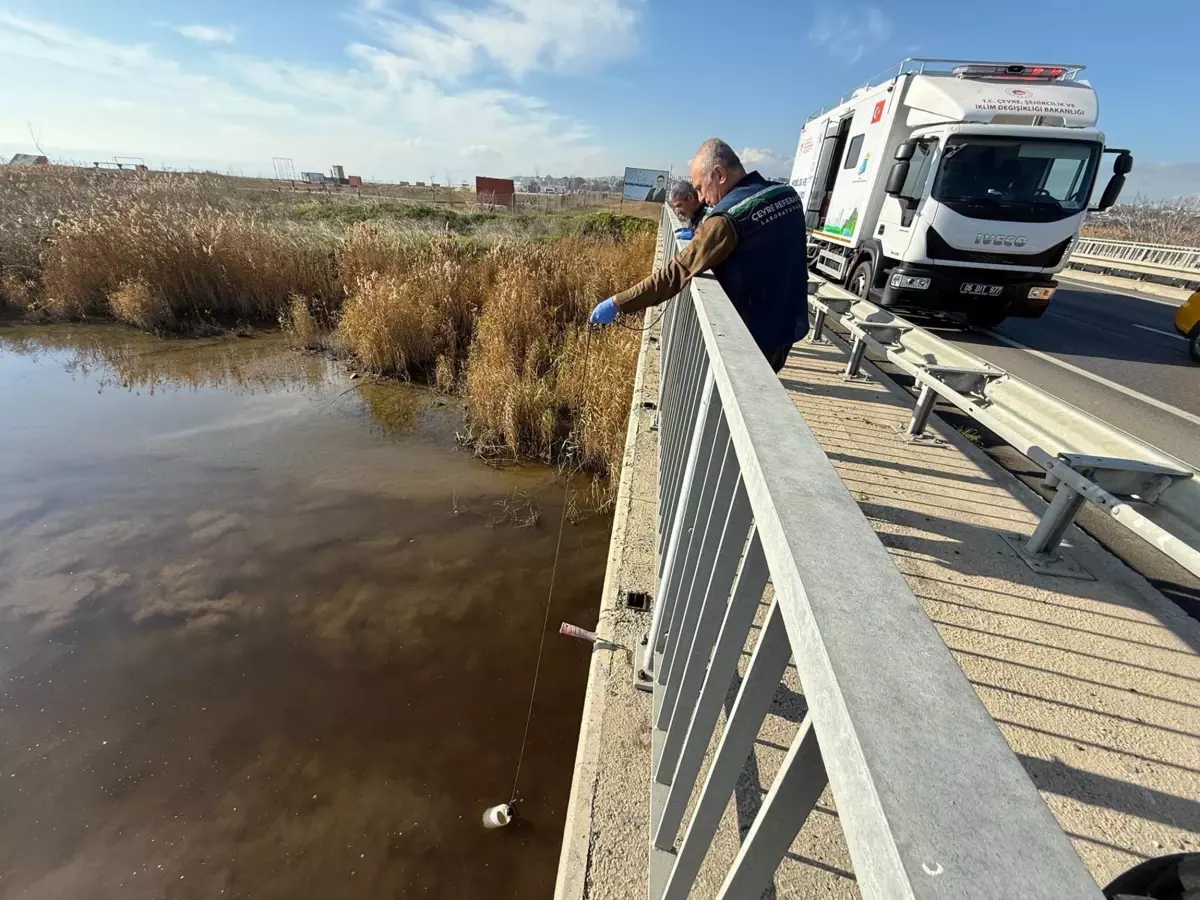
497 816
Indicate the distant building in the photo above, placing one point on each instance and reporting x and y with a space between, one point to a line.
313 177
28 159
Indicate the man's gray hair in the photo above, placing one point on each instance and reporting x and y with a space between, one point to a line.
715 152
683 190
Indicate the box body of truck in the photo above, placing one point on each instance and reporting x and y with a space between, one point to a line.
959 189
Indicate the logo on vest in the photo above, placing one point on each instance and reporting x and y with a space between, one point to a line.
773 211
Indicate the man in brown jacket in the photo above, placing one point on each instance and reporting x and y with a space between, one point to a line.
754 241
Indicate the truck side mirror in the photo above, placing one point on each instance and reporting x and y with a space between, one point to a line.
1111 192
896 178
906 150
1123 164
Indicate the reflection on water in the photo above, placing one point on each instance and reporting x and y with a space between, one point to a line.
257 643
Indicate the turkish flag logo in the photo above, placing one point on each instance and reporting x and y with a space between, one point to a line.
878 114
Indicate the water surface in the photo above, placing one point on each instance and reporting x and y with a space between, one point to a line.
265 632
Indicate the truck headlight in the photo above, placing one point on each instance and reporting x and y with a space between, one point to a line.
910 282
1041 293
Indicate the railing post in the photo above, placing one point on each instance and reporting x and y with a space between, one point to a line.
795 791
754 698
691 512
685 509
738 616
682 412
700 529
708 593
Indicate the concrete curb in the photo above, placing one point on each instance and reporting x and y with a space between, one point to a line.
1175 294
574 861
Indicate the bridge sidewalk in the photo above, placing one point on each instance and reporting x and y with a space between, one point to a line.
1094 683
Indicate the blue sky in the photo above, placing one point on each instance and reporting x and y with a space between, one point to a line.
419 88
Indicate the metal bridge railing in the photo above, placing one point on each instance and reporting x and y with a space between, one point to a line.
1156 261
932 801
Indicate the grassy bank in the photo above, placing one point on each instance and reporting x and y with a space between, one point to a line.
486 304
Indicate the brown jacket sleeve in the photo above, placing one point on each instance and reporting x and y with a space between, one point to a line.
715 239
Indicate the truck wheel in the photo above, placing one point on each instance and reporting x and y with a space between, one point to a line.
861 279
987 317
1194 344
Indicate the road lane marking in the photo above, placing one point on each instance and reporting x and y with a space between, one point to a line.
1092 376
1128 294
1169 334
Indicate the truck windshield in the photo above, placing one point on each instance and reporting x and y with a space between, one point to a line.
1015 178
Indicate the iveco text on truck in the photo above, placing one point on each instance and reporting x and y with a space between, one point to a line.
955 186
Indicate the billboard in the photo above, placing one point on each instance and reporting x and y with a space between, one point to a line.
645 184
494 190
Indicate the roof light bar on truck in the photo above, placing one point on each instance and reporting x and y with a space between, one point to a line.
1011 72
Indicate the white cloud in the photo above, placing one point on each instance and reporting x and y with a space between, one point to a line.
767 161
383 111
207 34
848 32
517 35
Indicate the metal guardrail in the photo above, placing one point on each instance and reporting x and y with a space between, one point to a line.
1153 494
932 801
1157 261
1164 255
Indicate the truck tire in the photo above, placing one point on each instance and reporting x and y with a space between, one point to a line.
861 279
987 317
1194 344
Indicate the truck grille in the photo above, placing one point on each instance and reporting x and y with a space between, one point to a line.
937 248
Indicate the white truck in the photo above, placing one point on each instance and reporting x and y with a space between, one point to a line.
954 186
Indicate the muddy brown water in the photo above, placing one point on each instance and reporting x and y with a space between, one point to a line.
265 632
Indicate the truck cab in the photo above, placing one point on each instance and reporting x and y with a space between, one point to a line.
957 189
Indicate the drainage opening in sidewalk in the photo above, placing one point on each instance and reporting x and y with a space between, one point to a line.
637 600
649 404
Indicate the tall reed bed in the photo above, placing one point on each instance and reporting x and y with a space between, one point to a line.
493 309
504 325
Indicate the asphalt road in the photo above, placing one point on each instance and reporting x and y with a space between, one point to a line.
1116 355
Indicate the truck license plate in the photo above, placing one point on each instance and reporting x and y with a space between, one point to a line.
982 290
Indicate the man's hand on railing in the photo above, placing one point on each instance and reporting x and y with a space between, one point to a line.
604 313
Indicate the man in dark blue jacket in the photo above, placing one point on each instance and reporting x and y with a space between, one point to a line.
754 241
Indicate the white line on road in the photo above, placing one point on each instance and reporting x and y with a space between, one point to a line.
1120 388
1169 334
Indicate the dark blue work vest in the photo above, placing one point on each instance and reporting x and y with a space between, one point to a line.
766 276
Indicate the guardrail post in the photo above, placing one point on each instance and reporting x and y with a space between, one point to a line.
920 414
1054 523
815 335
857 352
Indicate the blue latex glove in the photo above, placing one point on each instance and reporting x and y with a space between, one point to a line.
685 233
604 312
